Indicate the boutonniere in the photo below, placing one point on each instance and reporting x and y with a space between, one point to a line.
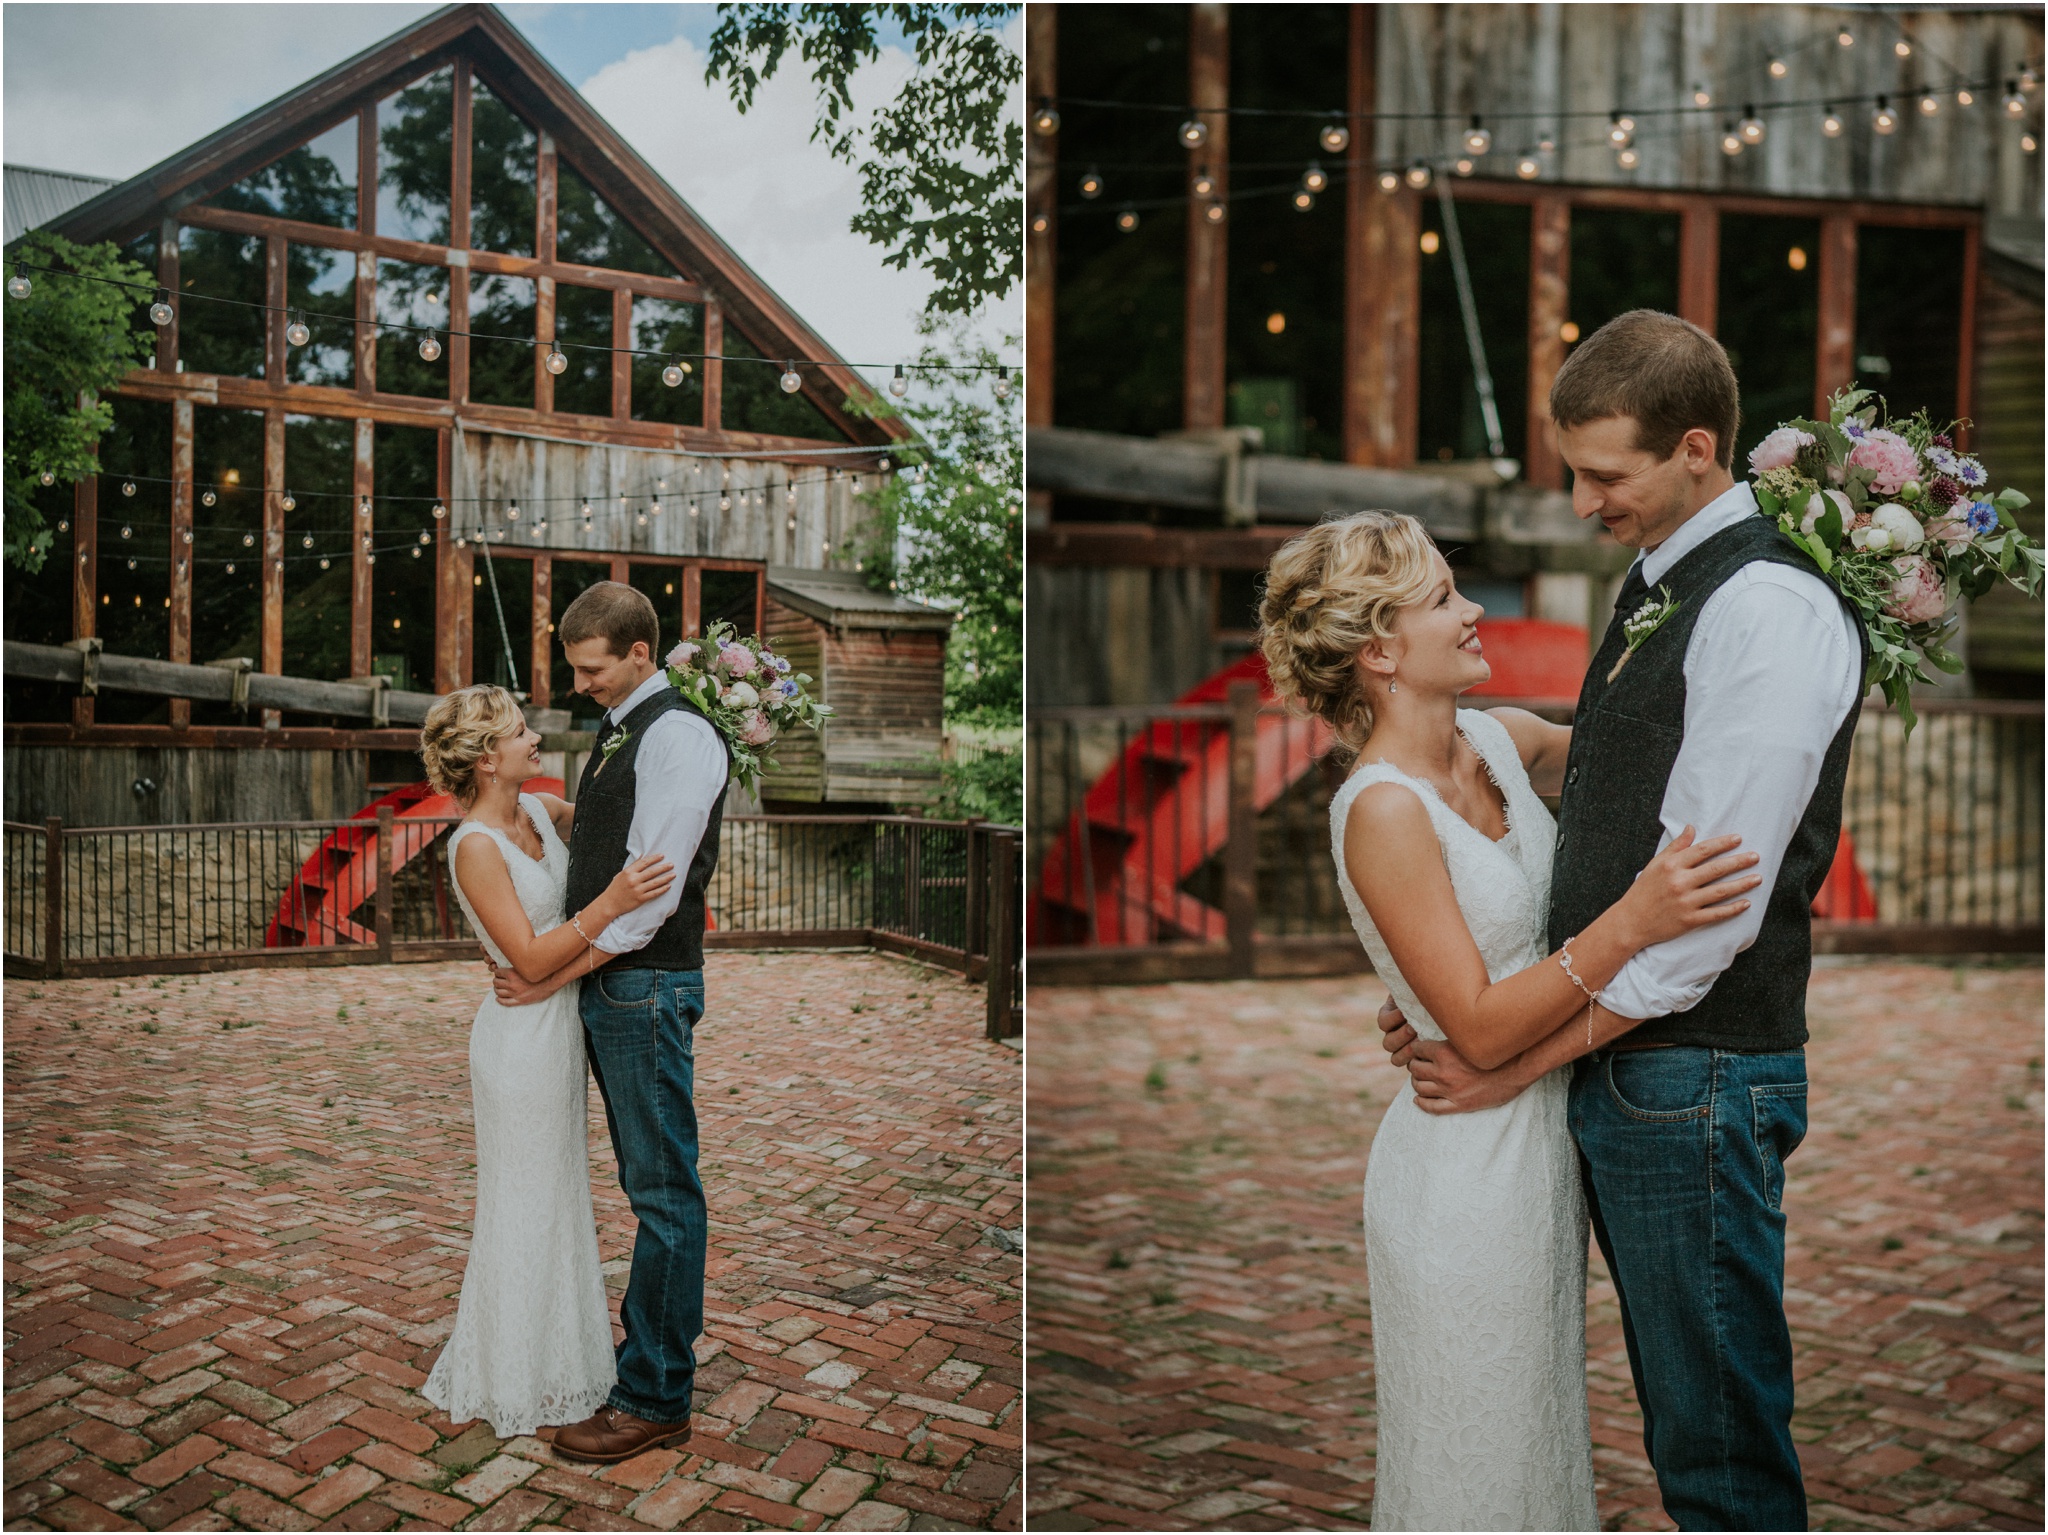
605 751
1642 623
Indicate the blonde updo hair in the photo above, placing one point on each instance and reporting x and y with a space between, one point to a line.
461 729
1328 593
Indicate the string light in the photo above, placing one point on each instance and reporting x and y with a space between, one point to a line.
296 332
1546 144
1390 181
1903 48
1831 124
2015 103
672 375
207 499
1628 159
2027 143
430 349
1213 213
1478 137
441 511
1194 133
791 380
1621 130
1884 119
1528 167
899 385
1731 141
1752 127
47 478
1091 183
1003 387
556 362
248 540
1419 175
160 312
1964 98
1460 166
1702 97
1846 38
18 286
1315 178
1335 138
1304 200
1779 69
1045 121
1929 105
127 487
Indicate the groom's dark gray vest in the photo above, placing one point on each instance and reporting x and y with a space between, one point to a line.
605 797
1625 740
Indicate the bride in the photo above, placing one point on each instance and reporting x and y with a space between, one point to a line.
532 1342
1475 1226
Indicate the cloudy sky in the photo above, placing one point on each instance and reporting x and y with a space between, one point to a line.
777 199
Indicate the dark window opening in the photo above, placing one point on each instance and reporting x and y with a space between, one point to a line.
415 159
501 371
732 596
589 232
220 337
501 618
314 184
1621 260
661 325
402 582
755 401
1449 421
414 296
583 322
320 293
321 529
1769 319
504 171
1909 304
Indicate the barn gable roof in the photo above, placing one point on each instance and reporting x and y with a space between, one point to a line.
518 74
844 599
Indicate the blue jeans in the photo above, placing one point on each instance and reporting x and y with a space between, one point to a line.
637 1026
1683 1155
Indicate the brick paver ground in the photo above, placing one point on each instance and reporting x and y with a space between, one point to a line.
1200 1343
237 1214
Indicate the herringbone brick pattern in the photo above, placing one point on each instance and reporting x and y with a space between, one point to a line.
237 1214
1201 1346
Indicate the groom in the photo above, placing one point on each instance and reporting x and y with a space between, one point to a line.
655 784
1734 715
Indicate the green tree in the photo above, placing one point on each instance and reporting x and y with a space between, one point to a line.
949 527
68 343
941 166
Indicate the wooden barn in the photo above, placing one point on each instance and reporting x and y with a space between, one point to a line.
445 350
1287 260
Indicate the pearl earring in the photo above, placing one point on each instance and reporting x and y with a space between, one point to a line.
1393 686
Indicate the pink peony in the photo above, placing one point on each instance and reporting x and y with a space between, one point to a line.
1889 457
1949 528
739 661
683 654
755 728
1779 450
1917 594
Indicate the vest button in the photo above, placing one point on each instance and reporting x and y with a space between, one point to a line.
1572 776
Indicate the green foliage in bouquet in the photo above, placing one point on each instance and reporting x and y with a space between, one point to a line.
749 693
1901 521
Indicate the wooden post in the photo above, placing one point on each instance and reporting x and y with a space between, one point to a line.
181 552
167 277
1002 936
272 580
622 359
458 236
540 661
1241 852
1208 237
977 887
85 573
1371 385
274 347
444 921
465 615
1834 364
384 871
1699 265
714 365
458 335
1041 212
447 613
366 169
1550 280
543 343
693 600
1966 338
544 200
363 530
53 898
366 323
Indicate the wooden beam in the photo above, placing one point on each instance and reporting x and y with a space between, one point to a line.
1699 265
458 340
366 170
181 552
619 571
1041 212
1966 337
1135 545
1208 237
273 322
1899 215
447 619
366 324
85 573
240 736
362 531
1550 284
714 365
1378 309
167 277
459 171
693 600
544 200
543 343
465 613
1835 346
272 643
540 660
622 360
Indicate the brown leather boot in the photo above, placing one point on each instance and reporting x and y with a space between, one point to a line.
612 1434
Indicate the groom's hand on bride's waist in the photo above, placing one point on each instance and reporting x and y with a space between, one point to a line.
513 989
1395 1033
1447 1083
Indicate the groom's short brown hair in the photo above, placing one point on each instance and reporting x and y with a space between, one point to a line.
613 612
1664 373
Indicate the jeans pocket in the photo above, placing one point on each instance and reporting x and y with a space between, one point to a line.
628 989
1661 1085
1778 1121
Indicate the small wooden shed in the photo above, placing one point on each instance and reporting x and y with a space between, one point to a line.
880 661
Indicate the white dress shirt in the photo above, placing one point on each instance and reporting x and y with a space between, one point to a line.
1771 671
679 776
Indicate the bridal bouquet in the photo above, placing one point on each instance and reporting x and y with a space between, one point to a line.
1900 521
751 694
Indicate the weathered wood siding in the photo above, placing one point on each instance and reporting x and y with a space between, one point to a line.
95 785
1507 60
888 690
550 477
1117 635
2004 627
799 755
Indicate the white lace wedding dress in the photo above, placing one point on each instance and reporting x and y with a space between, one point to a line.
533 1336
1475 1225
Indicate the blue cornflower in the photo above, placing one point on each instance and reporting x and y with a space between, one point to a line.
1983 517
1970 472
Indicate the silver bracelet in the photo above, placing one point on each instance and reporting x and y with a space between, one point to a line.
576 923
1564 958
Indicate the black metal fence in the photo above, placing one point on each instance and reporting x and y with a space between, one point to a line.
1195 840
138 899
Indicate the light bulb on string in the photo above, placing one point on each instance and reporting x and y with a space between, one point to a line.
1779 69
672 375
188 535
416 554
440 511
1315 178
1194 133
131 564
430 349
1390 181
1546 145
1040 223
207 498
556 362
63 524
1903 48
369 559
2015 103
1091 183
641 518
1478 137
654 508
1213 213
1731 141
899 386
1702 97
1628 159
1127 220
296 332
512 512
1621 129
231 567
791 380
18 286
1419 175
248 540
1964 98
725 503
288 502
160 312
1751 127
1528 167
47 478
1460 166
1335 138
1304 200
1003 387
1045 121
127 487
2027 143
2030 77
324 562
1884 119
1929 104
425 538
1846 38
1831 123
